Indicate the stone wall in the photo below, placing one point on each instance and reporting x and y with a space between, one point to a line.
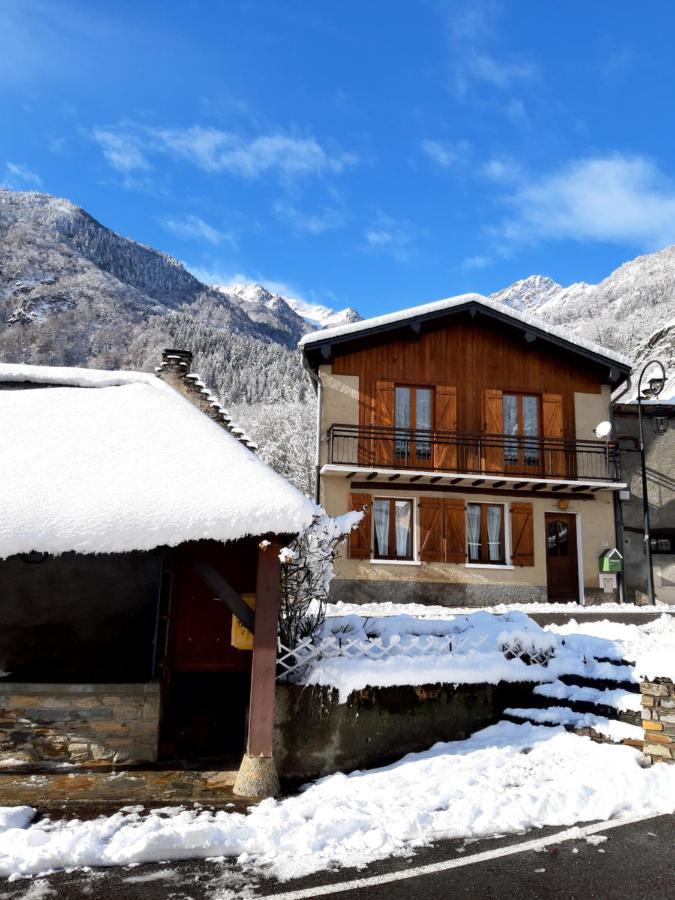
658 719
316 735
82 724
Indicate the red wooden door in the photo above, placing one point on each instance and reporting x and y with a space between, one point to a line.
562 574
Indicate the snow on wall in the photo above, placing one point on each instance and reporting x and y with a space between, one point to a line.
452 303
118 461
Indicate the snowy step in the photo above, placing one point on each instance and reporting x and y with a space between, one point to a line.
605 676
615 703
610 729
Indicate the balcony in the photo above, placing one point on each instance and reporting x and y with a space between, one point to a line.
491 455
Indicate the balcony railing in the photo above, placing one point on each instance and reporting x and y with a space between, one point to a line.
471 453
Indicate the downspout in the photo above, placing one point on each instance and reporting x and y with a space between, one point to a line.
318 385
618 508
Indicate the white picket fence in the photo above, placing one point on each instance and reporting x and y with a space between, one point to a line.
296 659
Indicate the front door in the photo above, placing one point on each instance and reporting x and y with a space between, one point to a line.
562 574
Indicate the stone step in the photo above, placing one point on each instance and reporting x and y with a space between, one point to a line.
588 724
616 703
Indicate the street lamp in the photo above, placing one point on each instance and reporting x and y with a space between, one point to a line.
648 393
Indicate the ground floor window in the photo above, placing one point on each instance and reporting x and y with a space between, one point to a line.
663 540
393 529
485 533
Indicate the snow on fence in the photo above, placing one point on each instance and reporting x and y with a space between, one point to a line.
312 649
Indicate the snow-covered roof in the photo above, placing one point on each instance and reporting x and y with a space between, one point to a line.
432 310
104 462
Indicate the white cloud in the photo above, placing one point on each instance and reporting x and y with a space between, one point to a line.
327 218
121 149
614 199
502 170
476 262
19 177
444 153
193 227
221 151
391 236
484 67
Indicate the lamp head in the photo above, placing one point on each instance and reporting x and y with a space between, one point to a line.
603 430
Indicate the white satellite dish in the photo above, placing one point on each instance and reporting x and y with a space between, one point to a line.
603 430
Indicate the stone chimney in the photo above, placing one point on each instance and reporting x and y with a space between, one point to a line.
175 371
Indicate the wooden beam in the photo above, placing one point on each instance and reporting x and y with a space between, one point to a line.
434 479
414 478
350 475
450 489
371 476
576 490
223 591
520 484
394 477
498 484
559 487
264 664
478 481
457 480
539 487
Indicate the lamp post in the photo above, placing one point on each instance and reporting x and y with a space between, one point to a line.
654 389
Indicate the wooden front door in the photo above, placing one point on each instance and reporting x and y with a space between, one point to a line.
562 574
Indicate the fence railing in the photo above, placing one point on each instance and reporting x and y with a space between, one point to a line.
472 453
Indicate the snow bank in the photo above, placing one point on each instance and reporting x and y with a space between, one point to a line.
119 461
480 648
506 779
424 611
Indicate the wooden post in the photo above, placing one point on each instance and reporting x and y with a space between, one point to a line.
257 775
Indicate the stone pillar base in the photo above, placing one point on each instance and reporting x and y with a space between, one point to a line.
257 777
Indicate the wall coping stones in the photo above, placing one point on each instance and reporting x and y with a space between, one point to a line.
58 689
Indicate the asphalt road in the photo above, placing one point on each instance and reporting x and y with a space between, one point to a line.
633 862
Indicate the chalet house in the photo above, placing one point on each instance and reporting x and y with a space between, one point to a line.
467 431
139 565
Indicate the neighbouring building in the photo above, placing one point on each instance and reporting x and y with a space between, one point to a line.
467 431
139 563
660 466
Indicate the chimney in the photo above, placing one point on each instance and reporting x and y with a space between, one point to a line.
175 367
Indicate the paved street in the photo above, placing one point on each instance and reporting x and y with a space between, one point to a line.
631 861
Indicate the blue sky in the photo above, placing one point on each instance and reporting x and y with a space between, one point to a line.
376 154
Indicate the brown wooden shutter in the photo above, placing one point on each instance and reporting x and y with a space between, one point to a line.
455 531
431 529
552 415
522 534
493 423
445 455
359 538
384 416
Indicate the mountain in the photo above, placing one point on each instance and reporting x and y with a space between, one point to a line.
316 315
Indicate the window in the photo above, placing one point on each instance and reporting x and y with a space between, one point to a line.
485 533
557 537
663 540
413 422
393 529
521 420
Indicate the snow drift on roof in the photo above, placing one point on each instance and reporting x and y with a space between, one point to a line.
103 462
403 315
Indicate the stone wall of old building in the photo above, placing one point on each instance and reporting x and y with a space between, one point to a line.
658 719
81 724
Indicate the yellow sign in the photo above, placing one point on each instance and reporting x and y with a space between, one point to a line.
242 638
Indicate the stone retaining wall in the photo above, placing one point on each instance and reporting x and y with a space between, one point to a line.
82 724
316 735
658 719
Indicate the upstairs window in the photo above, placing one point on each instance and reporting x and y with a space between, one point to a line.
663 540
521 421
393 529
485 533
413 422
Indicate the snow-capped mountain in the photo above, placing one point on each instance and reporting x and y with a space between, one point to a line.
315 314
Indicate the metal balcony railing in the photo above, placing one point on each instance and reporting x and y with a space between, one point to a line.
472 453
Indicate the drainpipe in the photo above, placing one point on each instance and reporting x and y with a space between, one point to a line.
318 385
618 508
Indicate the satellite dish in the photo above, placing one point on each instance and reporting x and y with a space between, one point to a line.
603 430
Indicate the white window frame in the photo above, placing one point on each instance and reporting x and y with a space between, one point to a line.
415 547
507 536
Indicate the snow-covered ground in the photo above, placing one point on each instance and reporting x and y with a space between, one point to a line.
506 779
424 611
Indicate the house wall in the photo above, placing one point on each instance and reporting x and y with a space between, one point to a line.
589 410
660 464
449 584
79 618
79 724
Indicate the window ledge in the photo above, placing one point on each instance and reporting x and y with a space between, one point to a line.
487 566
396 562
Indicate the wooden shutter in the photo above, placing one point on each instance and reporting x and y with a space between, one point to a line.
552 415
359 538
431 529
445 455
455 531
384 416
493 423
522 534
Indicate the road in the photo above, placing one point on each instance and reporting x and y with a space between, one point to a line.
622 863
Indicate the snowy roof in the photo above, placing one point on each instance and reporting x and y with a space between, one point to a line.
439 307
104 462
